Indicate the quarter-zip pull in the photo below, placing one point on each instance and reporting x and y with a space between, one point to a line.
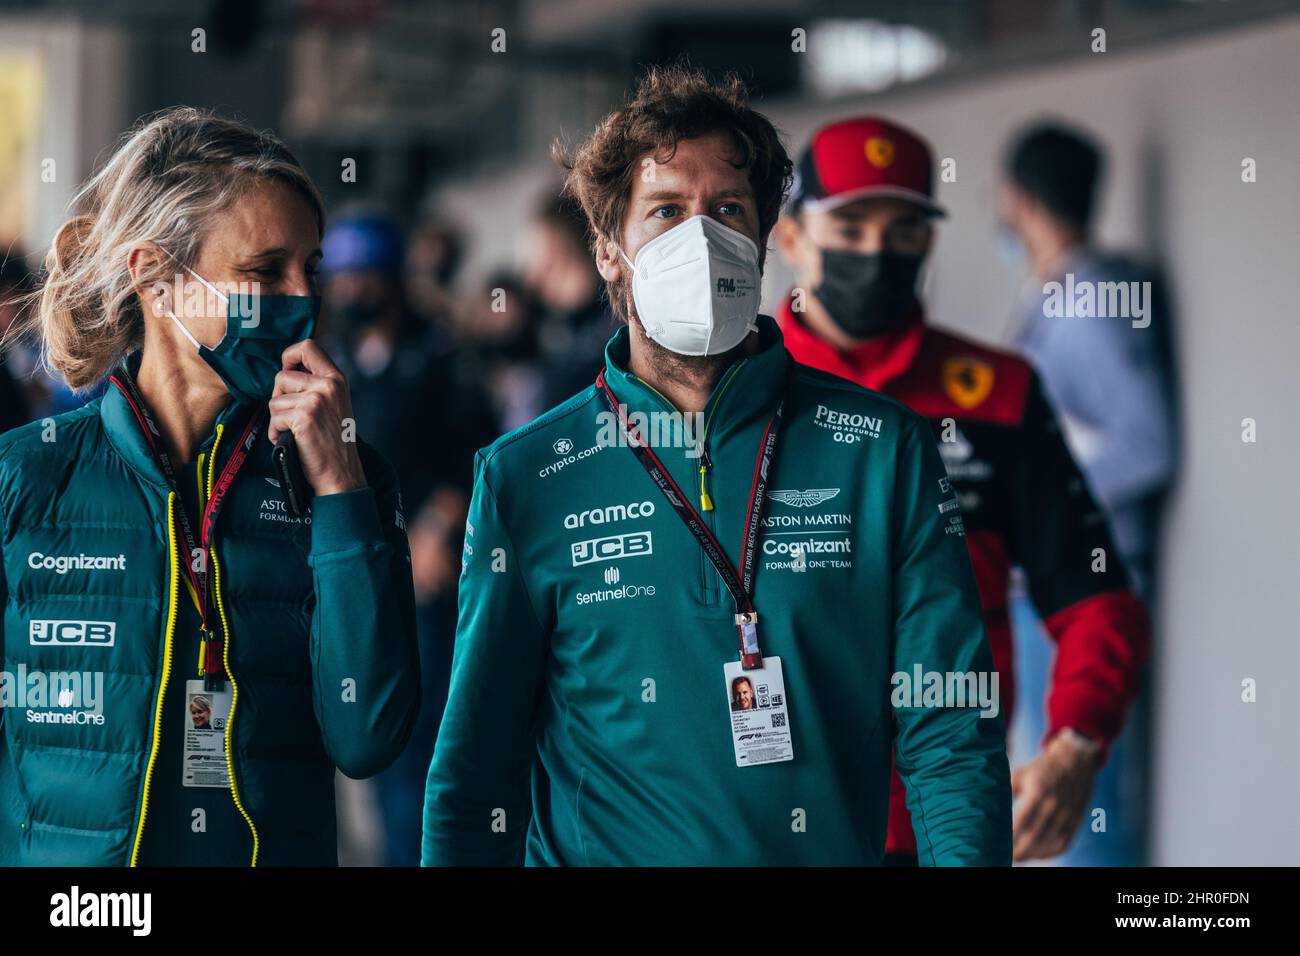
706 464
213 677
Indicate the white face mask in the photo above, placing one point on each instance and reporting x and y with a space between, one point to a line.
181 325
696 287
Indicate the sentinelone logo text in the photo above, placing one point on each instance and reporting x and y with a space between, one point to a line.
75 909
54 697
616 594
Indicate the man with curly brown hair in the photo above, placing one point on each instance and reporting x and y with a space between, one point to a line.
606 611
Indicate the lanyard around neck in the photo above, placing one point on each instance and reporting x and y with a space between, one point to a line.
198 548
740 583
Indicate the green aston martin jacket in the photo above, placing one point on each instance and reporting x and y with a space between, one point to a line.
590 720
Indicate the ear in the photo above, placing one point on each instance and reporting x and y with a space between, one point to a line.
147 264
1012 202
786 234
609 263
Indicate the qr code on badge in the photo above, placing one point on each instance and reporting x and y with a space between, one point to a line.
778 720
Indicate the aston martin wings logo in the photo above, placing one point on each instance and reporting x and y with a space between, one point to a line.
803 499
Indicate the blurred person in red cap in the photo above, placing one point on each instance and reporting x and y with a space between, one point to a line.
857 229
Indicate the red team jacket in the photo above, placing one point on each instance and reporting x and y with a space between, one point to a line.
1025 504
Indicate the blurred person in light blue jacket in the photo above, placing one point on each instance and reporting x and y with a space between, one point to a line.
1109 375
1097 325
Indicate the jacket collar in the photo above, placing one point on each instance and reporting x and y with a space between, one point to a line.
875 363
127 437
748 389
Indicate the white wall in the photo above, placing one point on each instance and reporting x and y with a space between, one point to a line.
1178 120
81 109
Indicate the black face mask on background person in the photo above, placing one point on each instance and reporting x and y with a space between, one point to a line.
867 294
359 315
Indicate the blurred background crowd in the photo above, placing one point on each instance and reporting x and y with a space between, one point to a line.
462 301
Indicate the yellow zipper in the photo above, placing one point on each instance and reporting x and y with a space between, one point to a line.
225 653
706 464
198 474
166 675
230 721
706 503
706 500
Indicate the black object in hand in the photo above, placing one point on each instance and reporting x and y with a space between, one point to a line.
297 492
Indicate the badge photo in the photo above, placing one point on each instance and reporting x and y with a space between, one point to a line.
759 713
206 713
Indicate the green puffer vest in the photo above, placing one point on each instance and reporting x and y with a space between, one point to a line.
321 639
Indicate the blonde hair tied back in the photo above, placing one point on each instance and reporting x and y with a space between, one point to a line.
171 174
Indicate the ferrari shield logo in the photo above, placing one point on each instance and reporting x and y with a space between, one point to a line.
967 381
880 151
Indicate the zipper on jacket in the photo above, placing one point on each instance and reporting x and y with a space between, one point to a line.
706 503
173 592
230 722
203 645
707 588
708 575
225 654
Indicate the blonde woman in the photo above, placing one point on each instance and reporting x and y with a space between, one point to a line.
150 560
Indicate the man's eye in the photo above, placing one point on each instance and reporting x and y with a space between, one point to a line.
670 210
730 209
908 233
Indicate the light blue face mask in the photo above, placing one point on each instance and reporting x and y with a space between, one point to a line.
1011 249
258 330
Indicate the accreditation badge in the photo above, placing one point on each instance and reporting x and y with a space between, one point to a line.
759 713
206 713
